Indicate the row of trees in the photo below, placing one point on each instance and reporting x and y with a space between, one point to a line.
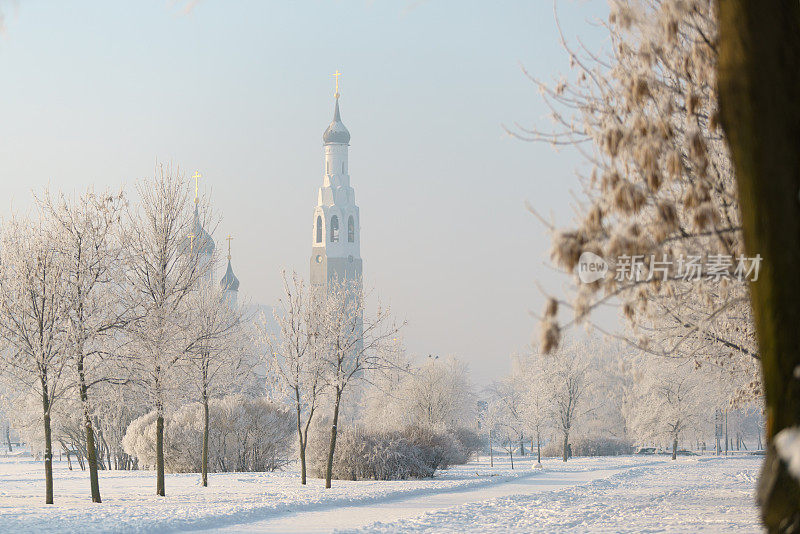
110 318
100 298
605 399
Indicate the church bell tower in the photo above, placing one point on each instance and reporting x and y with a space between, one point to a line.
336 232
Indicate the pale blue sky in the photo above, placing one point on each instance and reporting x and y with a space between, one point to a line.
91 93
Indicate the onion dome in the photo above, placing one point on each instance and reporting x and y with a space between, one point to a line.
337 132
201 240
229 282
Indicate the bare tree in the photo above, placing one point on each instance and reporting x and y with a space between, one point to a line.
527 376
566 377
216 352
163 243
353 343
667 400
510 403
32 323
294 357
86 234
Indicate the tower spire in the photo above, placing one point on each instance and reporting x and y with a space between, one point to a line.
336 75
229 238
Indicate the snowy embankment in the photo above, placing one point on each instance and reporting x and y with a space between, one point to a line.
614 494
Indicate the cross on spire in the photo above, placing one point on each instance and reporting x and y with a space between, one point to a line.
229 238
336 75
197 177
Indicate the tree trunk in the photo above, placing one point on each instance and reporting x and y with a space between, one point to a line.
205 439
91 452
511 454
491 453
8 438
539 448
727 440
674 448
566 445
48 445
759 76
301 442
160 454
329 469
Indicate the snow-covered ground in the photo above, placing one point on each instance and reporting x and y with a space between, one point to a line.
588 494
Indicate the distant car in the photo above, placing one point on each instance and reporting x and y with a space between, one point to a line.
684 452
647 450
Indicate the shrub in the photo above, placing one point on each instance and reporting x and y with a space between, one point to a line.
245 434
414 452
593 445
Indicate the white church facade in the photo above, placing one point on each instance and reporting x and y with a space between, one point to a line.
336 231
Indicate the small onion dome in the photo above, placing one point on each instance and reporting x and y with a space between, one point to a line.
229 282
336 132
201 240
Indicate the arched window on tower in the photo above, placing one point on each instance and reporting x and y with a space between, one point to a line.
334 229
351 230
319 229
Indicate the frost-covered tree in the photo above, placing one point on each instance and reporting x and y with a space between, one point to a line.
354 342
440 393
294 355
527 375
661 200
163 267
216 348
668 399
33 329
567 378
509 399
86 233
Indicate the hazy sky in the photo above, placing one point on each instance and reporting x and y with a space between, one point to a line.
92 93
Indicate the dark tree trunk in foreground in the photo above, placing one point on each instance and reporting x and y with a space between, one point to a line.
674 448
566 446
329 470
48 445
759 81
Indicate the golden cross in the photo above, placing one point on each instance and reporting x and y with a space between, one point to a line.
196 177
337 74
230 238
191 242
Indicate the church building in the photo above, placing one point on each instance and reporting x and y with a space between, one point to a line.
336 232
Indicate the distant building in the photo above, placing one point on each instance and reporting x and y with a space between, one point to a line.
336 233
229 282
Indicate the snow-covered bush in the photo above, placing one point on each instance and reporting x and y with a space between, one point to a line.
601 445
245 434
415 452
